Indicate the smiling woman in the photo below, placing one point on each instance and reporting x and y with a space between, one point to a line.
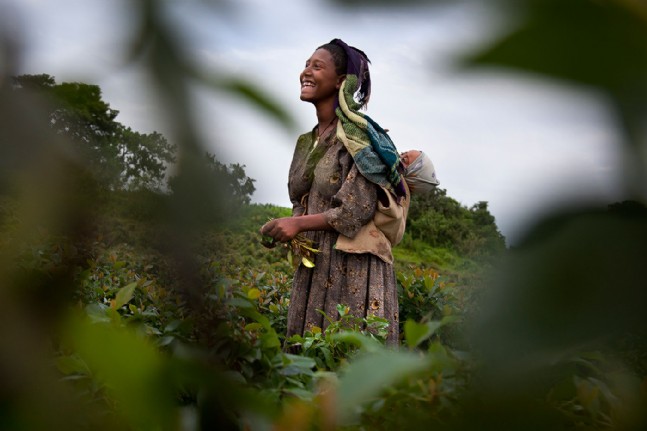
334 182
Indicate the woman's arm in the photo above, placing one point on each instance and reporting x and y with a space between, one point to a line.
285 228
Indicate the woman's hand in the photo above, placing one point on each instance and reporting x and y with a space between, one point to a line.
281 229
286 228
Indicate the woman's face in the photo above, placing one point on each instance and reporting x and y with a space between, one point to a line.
319 80
409 157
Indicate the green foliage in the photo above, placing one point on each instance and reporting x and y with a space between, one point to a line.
332 347
441 222
424 296
115 155
225 189
549 349
129 368
121 285
241 327
548 26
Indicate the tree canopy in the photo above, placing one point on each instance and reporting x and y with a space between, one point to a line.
115 155
440 221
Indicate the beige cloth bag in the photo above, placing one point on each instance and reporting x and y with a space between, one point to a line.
380 234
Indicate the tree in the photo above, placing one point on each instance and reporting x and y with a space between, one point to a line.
145 158
116 156
441 221
224 189
486 228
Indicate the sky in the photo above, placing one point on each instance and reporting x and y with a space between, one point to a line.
521 143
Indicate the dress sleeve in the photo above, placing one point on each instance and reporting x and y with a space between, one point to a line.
353 205
299 180
298 209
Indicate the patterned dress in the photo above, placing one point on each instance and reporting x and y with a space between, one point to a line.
326 180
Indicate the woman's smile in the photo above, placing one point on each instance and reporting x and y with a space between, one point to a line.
307 86
319 78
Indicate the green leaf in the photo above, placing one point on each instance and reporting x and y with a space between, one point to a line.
240 303
246 90
124 295
330 361
307 262
295 339
296 364
415 333
253 293
441 359
254 326
173 325
368 375
253 314
300 393
71 365
165 341
270 340
130 367
97 313
234 376
601 44
355 338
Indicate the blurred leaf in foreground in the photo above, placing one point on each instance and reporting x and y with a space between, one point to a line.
598 44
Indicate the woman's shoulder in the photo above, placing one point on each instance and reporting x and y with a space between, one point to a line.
305 141
303 145
307 136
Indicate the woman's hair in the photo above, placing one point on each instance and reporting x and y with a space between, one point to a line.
352 61
338 56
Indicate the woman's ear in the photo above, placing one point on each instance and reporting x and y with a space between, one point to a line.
340 81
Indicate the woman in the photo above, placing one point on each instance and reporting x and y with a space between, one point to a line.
334 182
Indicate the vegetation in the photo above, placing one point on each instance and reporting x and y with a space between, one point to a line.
124 286
125 305
441 222
119 157
122 289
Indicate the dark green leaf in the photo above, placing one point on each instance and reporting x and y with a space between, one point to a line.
368 375
124 295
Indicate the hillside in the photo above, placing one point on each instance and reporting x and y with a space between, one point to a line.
134 302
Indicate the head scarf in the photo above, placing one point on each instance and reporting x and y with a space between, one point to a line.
375 155
357 64
420 175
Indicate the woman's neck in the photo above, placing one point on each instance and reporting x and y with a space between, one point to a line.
325 115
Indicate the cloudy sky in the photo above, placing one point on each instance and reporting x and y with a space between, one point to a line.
521 143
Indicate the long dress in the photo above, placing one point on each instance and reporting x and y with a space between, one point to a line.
326 180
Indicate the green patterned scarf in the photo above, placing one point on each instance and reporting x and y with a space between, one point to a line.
370 146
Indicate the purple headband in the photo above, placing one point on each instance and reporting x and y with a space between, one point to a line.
357 64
